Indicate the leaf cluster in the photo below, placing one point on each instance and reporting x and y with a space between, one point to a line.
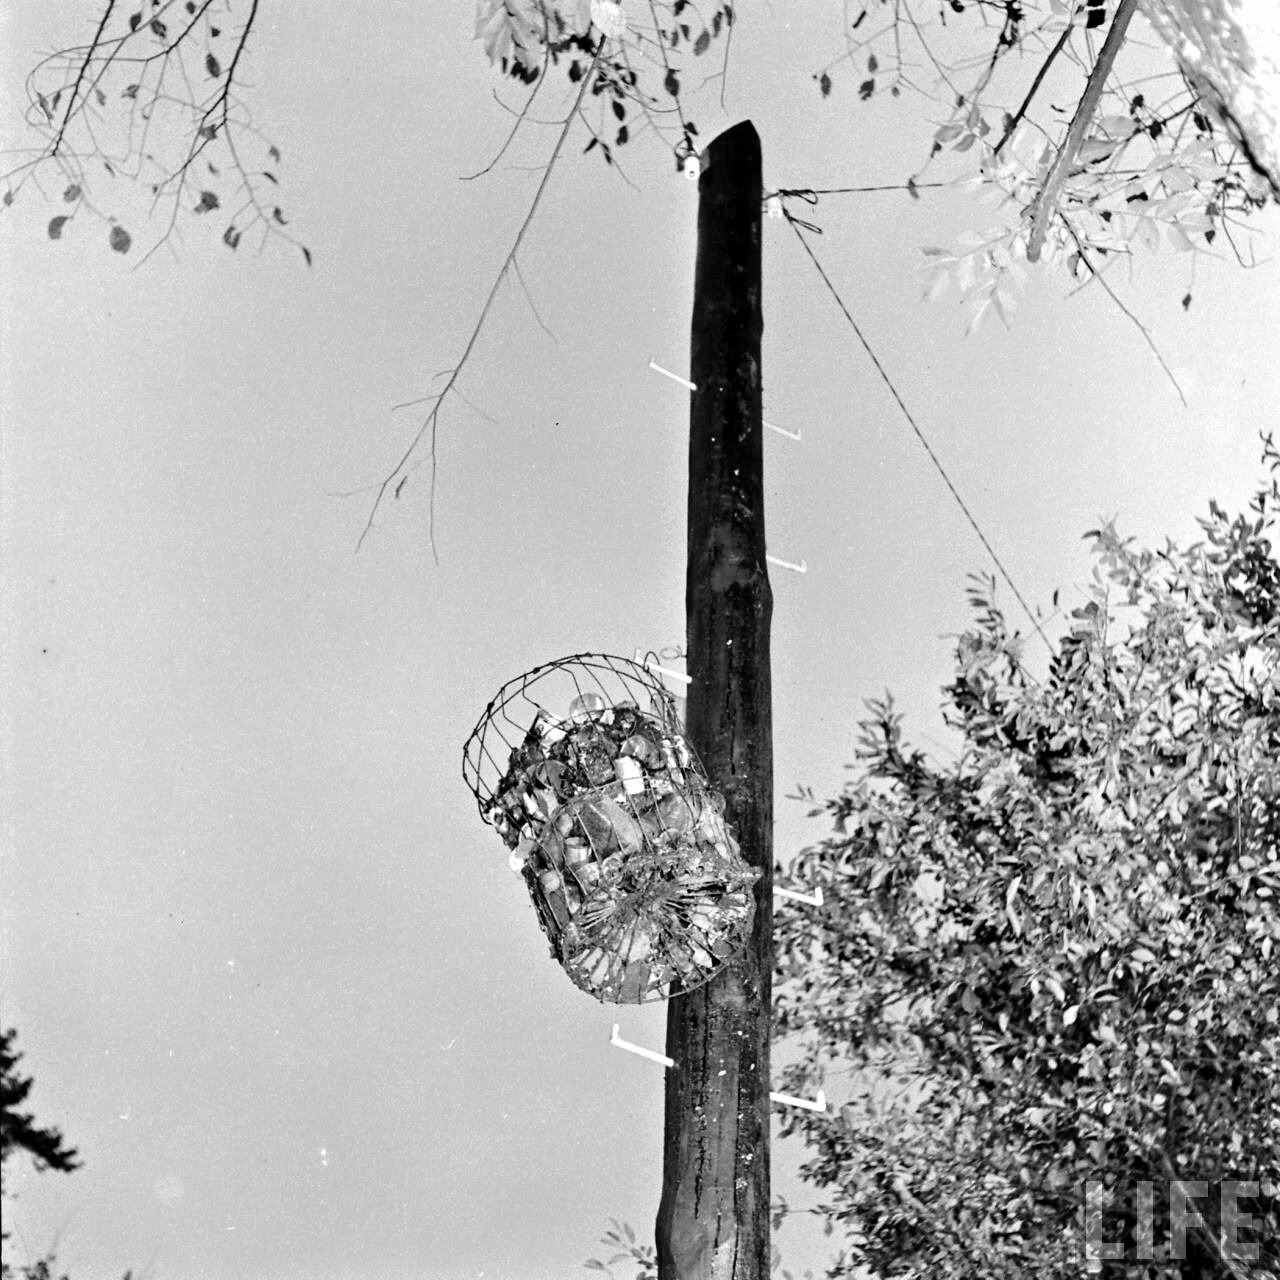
1154 170
636 70
1052 961
621 1238
153 101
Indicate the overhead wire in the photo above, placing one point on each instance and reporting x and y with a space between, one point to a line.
806 192
796 224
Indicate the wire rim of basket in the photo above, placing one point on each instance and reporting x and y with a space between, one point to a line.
510 715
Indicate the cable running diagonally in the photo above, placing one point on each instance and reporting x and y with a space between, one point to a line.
794 223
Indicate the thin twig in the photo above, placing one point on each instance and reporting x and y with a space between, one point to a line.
84 66
519 120
1016 118
724 66
432 420
1004 41
804 192
666 66
528 297
1115 297
1047 200
204 133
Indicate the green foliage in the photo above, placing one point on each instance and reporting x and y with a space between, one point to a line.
1053 960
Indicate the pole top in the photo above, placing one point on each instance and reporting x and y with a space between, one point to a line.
741 137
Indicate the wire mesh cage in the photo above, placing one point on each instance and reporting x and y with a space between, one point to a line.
582 767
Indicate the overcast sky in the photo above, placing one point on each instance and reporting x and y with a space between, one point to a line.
271 974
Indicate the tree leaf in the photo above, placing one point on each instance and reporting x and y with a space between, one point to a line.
671 82
702 43
1129 802
208 200
212 66
72 193
119 239
824 85
56 225
1011 894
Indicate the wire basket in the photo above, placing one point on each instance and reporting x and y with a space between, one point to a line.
582 767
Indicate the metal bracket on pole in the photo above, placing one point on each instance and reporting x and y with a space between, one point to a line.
660 1058
787 564
684 382
783 1099
788 1100
814 901
666 671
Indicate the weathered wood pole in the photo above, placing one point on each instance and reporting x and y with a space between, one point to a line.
713 1220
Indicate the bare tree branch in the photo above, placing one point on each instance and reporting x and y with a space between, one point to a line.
84 66
1016 118
1097 275
432 421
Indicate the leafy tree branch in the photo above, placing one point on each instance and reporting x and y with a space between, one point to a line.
153 98
1050 964
1055 179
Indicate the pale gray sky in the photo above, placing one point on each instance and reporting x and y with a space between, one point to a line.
270 972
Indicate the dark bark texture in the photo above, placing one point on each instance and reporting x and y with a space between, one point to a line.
713 1220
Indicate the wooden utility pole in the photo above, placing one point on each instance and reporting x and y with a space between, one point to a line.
713 1220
